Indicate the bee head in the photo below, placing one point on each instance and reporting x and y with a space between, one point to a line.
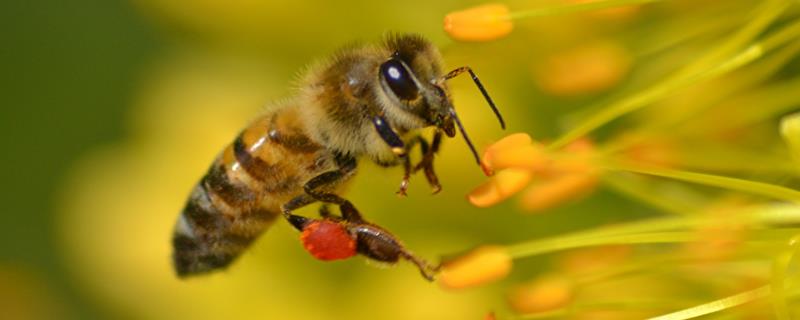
415 89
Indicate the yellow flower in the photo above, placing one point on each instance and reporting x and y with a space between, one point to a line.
557 176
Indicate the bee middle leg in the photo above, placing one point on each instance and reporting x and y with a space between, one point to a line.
325 212
315 191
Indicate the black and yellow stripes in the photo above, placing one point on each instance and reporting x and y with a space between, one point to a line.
218 222
235 194
256 167
241 194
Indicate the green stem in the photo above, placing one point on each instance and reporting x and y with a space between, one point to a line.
780 267
536 248
654 94
717 305
747 186
766 14
642 194
575 8
707 67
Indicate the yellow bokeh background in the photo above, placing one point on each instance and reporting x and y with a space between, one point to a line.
115 111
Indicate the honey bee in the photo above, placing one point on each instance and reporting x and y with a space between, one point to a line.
367 101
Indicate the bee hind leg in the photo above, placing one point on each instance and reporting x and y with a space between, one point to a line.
372 241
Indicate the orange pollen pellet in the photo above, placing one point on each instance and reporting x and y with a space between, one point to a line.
328 240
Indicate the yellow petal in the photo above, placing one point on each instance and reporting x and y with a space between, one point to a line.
481 23
482 265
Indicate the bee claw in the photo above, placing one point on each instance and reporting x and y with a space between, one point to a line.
425 269
436 189
403 188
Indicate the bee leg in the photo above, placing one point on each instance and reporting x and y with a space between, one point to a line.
379 244
297 202
315 188
407 170
427 270
371 241
406 177
325 212
388 135
426 163
347 166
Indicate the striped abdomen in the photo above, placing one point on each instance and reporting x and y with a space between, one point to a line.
243 191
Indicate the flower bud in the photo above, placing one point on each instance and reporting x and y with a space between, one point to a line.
515 151
543 294
481 23
587 69
482 265
499 187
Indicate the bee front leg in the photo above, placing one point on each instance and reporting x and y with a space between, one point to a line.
407 167
389 136
426 163
428 152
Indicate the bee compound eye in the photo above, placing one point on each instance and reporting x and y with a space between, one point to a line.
399 79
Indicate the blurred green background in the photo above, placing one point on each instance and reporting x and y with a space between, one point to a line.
113 110
69 74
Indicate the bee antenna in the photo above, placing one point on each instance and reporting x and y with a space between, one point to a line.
464 134
456 72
